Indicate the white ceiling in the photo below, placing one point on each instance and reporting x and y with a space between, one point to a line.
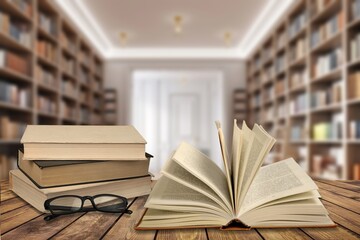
150 28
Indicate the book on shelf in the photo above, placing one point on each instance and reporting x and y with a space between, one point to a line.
355 47
68 65
355 9
195 193
14 94
47 23
329 164
42 142
36 197
23 5
67 42
281 110
68 87
17 30
327 62
354 129
45 174
280 87
281 40
298 104
299 78
11 129
96 119
297 132
46 50
319 5
84 57
328 29
298 49
280 63
14 61
7 163
269 93
297 23
45 76
327 95
67 110
354 85
356 171
84 115
332 130
46 105
84 76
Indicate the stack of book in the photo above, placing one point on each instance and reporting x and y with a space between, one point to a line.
80 160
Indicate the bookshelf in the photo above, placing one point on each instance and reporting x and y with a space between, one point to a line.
49 73
311 59
240 99
110 106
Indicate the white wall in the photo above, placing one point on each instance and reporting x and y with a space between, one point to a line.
118 74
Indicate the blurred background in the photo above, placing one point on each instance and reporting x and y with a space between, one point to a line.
171 68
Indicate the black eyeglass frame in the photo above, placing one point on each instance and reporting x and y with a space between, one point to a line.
124 203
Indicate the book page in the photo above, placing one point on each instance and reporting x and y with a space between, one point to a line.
236 161
278 180
177 173
199 165
226 161
259 148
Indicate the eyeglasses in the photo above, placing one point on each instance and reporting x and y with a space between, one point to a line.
68 204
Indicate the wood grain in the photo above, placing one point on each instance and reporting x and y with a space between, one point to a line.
331 233
232 235
4 185
338 190
12 219
341 184
6 195
11 204
38 228
289 234
349 203
124 227
182 234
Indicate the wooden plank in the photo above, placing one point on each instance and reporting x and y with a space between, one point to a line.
38 228
347 203
344 217
12 219
92 225
341 184
4 185
124 227
338 190
331 233
286 233
6 195
232 235
185 234
11 204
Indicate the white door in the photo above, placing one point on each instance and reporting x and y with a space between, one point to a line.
172 107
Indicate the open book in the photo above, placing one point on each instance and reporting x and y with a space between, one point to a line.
194 192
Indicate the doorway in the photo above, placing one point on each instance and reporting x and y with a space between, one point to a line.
169 107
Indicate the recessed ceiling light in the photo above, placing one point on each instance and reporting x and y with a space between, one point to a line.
228 38
123 38
178 22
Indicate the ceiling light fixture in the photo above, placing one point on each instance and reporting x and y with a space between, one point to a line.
123 38
228 38
178 22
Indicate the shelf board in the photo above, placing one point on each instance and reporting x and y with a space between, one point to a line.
301 33
9 7
297 89
353 141
268 122
281 119
298 115
330 76
328 108
298 63
326 141
330 43
67 119
68 75
44 61
327 12
14 107
268 82
354 63
300 141
6 72
68 53
47 115
281 96
9 42
48 36
354 23
69 97
47 88
353 101
281 73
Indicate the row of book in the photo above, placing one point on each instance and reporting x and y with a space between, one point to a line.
68 87
11 129
280 87
96 85
46 49
14 62
298 50
84 115
327 62
84 76
14 94
354 130
23 5
269 93
67 42
45 76
68 65
297 132
327 29
67 110
298 104
97 102
298 78
47 23
281 110
355 9
297 23
355 47
84 58
354 85
281 40
105 165
256 100
319 5
46 105
17 30
268 114
268 74
331 130
327 95
84 96
280 63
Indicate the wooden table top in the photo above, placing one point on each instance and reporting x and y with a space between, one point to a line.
21 221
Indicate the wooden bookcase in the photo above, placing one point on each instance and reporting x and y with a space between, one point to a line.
239 101
302 86
62 81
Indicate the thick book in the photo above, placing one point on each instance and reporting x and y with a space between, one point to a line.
194 192
36 197
45 174
45 142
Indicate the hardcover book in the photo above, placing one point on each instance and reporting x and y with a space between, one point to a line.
194 192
